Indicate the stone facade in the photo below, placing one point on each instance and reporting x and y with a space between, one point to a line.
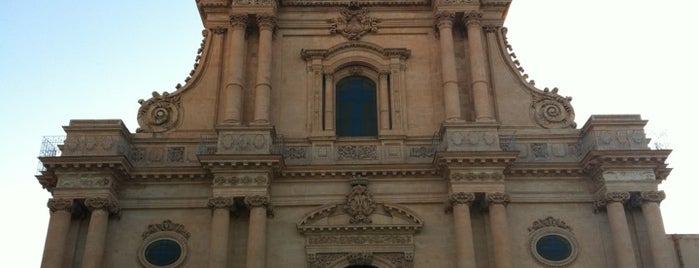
471 166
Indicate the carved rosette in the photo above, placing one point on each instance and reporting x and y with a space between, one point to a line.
221 202
239 20
497 198
160 113
653 196
354 22
98 203
60 204
551 110
360 204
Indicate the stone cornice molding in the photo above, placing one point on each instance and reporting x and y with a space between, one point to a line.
56 204
595 162
101 203
545 169
340 171
308 3
236 161
116 166
221 202
475 159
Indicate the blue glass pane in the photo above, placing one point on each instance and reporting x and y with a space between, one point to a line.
554 247
355 101
163 252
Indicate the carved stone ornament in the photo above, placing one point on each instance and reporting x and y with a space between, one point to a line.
360 258
360 204
549 222
620 197
101 203
356 152
354 22
444 19
497 198
60 204
239 20
653 196
220 202
254 201
266 21
160 113
462 198
166 226
473 17
551 110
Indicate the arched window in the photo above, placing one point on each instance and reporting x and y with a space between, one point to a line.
355 103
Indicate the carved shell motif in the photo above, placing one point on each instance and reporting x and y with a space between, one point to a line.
551 110
159 113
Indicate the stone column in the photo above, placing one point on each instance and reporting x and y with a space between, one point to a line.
220 222
235 70
257 230
498 229
97 230
482 101
329 87
59 224
621 237
452 103
662 255
263 88
465 254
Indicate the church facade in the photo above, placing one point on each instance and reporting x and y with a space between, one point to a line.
349 134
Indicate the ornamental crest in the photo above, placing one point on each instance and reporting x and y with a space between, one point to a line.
360 204
159 113
354 22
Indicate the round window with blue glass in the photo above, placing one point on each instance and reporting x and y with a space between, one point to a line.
163 250
554 247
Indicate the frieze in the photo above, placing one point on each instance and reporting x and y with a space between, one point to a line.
323 260
628 175
354 22
399 260
549 222
160 113
539 150
621 139
175 154
91 145
166 226
272 3
240 180
471 140
472 176
422 152
84 182
245 143
356 152
360 258
295 153
377 239
452 2
362 2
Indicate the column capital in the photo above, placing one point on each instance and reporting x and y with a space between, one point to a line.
100 203
473 18
653 196
444 19
253 201
239 20
613 197
221 202
219 30
497 198
266 21
491 28
56 204
461 198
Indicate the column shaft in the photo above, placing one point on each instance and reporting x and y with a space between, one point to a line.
264 66
663 256
465 255
59 225
482 102
96 236
218 247
452 103
329 103
383 102
234 72
256 252
621 238
499 232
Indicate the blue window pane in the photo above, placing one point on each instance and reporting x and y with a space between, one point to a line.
355 101
554 247
163 252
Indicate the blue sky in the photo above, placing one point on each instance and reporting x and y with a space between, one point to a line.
62 60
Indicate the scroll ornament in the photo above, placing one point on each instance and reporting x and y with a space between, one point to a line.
551 110
160 113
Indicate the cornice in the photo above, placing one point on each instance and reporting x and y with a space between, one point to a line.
227 161
85 163
380 170
309 3
596 161
475 158
545 169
